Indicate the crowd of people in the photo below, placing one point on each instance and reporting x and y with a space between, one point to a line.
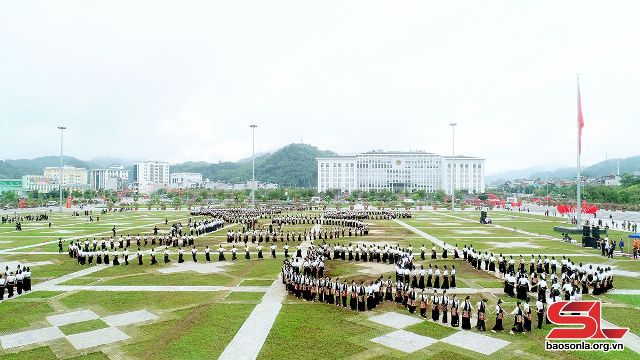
15 281
304 278
42 217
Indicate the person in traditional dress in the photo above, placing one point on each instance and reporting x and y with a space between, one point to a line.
455 315
234 255
361 297
2 285
499 317
436 275
139 255
445 278
180 256
435 306
466 314
260 252
411 304
273 251
540 310
527 315
444 307
207 254
518 320
453 277
166 255
353 296
247 256
19 281
10 283
344 292
482 315
194 253
423 304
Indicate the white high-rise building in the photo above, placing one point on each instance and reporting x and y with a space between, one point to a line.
184 180
149 176
398 171
113 178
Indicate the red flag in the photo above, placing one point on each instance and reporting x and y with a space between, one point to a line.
580 121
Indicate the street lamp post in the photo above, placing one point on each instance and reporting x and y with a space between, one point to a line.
453 164
62 128
253 165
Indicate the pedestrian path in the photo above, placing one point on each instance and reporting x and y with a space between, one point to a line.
250 338
158 288
84 272
431 238
623 292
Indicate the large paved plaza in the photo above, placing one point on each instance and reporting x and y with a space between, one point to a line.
240 309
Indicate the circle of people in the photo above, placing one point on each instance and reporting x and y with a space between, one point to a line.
305 278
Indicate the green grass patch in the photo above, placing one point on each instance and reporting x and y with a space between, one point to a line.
632 300
41 294
490 284
432 330
84 326
300 324
256 282
249 296
201 332
117 302
17 315
41 353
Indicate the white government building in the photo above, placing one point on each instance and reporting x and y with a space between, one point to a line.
398 171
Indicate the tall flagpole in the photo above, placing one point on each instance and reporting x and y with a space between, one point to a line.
579 150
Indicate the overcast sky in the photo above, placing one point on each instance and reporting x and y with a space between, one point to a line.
181 81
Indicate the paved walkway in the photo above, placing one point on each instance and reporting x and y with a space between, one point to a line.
623 292
84 272
158 288
630 341
249 339
431 238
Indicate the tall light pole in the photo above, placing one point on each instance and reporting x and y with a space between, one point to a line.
453 164
62 128
253 165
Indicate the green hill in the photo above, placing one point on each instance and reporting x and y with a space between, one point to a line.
15 169
292 165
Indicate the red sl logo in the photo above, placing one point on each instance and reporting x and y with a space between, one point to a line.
588 314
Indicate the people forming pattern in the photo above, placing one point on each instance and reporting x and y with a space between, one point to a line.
423 290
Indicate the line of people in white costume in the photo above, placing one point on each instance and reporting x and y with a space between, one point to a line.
14 281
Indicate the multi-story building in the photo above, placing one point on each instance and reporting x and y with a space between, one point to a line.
468 174
397 171
39 183
184 180
71 175
114 178
149 176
